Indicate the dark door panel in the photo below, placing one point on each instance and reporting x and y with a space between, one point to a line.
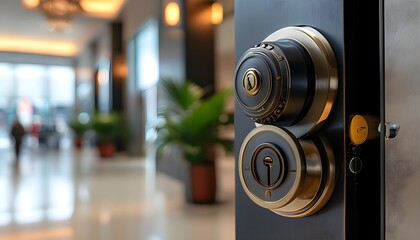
293 179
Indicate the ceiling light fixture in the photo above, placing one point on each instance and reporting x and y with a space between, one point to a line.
60 12
172 14
38 46
60 8
216 13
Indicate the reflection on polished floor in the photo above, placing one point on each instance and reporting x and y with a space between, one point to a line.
73 194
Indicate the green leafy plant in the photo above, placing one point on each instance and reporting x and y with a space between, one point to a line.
192 122
106 127
78 127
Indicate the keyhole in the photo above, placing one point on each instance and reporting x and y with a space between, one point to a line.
250 85
267 166
251 82
268 162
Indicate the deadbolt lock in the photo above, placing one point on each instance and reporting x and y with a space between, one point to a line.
291 177
288 80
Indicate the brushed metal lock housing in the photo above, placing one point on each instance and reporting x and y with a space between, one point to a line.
289 176
288 80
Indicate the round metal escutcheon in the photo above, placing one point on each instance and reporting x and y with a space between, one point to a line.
291 177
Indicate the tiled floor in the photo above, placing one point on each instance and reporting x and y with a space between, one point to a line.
73 194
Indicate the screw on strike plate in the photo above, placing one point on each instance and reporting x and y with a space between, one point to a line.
355 165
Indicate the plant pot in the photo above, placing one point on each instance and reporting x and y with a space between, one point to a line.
106 149
203 183
78 142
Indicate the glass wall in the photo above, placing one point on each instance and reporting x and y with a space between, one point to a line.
36 94
143 60
147 55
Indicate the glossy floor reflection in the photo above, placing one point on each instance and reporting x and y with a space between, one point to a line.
73 194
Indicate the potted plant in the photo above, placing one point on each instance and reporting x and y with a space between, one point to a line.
106 128
193 124
79 128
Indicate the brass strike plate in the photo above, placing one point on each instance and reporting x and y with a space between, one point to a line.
359 130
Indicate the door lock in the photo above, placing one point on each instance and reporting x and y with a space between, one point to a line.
291 177
287 85
288 80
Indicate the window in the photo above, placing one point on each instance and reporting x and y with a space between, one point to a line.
61 86
32 89
147 55
6 83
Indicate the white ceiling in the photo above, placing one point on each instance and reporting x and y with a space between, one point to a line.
18 23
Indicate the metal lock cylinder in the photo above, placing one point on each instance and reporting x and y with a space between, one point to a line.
288 80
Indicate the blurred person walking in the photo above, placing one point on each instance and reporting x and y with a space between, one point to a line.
17 132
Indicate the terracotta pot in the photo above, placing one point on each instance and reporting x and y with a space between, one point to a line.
106 149
78 142
203 183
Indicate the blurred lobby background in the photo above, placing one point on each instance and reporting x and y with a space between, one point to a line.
58 64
